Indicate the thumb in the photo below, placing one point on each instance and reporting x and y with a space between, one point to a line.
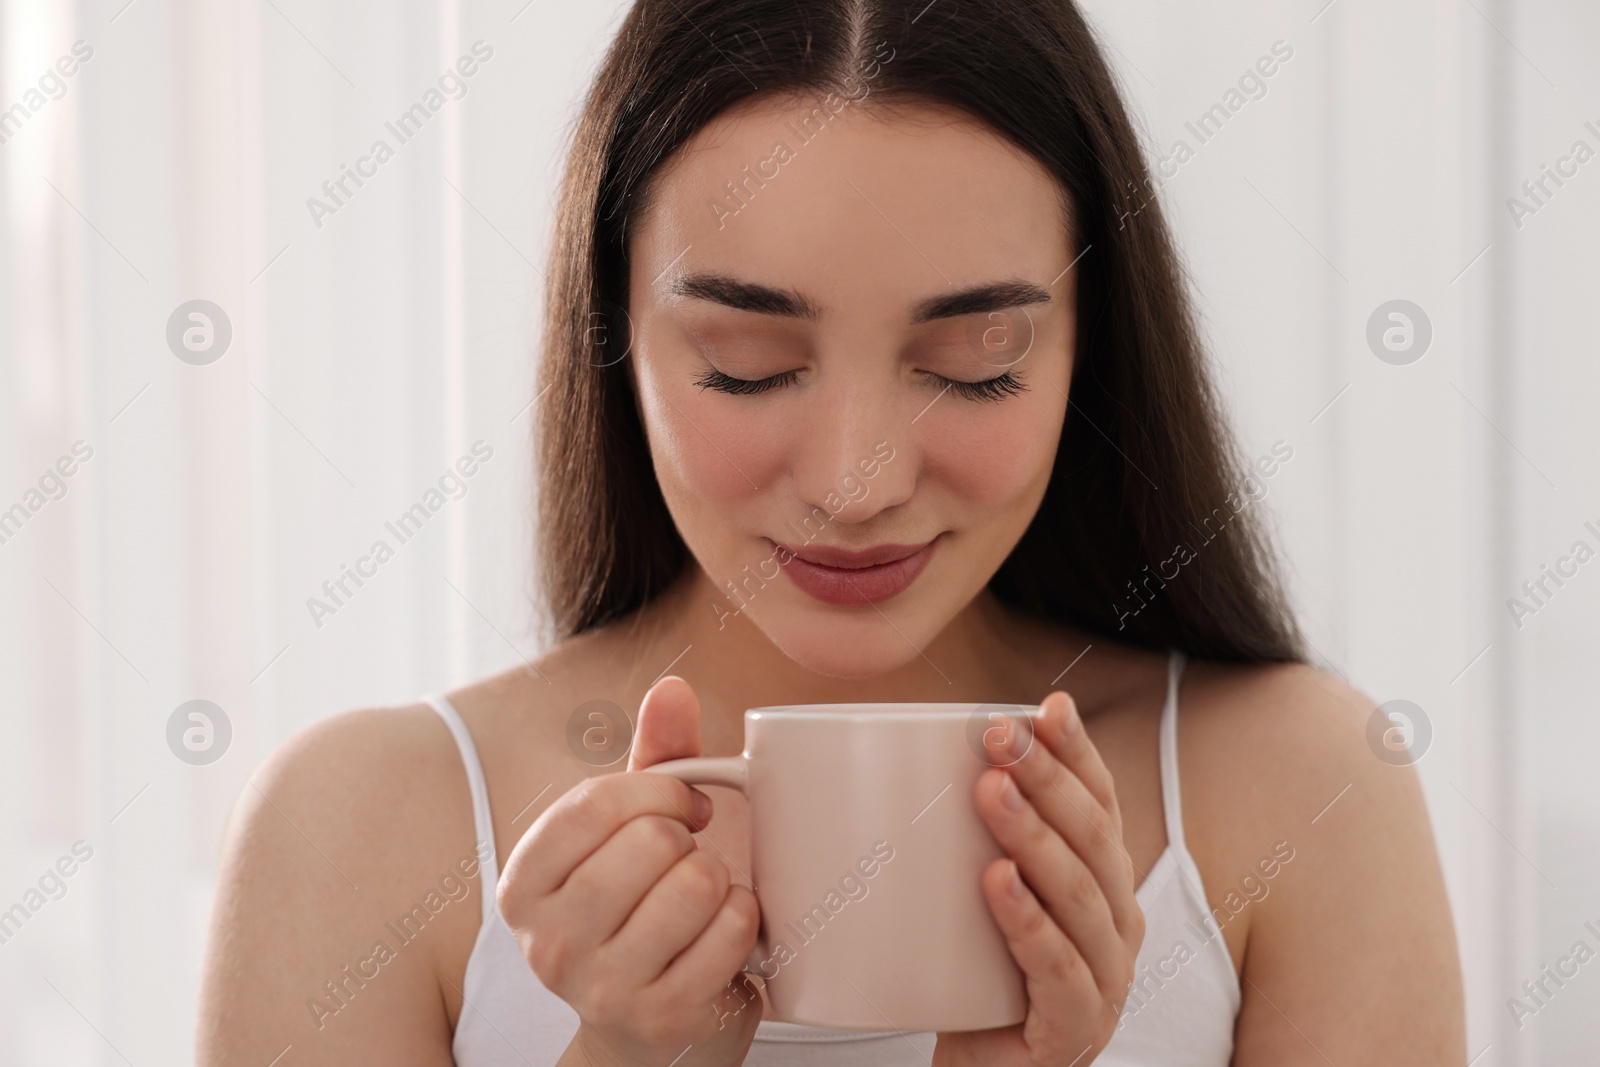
669 724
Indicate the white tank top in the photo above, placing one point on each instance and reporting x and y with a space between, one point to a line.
1180 1013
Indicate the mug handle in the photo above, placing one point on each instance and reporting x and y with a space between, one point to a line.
730 771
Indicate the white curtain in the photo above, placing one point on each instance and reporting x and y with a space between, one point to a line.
184 519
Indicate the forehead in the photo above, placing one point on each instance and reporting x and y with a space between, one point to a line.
851 203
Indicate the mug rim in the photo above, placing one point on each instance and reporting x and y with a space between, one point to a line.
883 710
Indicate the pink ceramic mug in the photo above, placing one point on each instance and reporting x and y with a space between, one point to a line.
866 854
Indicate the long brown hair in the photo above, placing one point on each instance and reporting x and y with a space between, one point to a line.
1140 535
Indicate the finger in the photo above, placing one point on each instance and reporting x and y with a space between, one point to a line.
1058 877
1061 729
1065 801
1056 971
672 914
669 724
722 947
600 893
585 816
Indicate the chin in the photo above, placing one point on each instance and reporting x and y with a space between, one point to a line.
839 642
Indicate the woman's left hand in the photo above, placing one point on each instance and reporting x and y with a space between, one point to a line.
1064 899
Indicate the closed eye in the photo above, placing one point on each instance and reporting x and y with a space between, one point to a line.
727 383
1008 384
998 388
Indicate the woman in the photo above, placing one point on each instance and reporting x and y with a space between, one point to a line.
869 375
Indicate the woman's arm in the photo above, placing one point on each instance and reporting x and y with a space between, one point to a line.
1351 956
334 842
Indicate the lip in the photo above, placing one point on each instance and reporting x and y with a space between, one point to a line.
850 578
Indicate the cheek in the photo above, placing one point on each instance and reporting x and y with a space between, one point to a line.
710 452
996 456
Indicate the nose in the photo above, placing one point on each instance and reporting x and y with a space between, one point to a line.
855 457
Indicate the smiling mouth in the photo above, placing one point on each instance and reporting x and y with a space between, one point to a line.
850 578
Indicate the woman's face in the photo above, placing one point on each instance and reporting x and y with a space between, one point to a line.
851 330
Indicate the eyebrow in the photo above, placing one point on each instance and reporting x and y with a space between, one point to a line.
766 300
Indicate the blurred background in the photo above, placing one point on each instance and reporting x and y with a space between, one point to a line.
215 392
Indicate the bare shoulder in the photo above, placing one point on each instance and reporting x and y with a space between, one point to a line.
1279 753
347 784
345 877
1271 746
1320 865
351 883
373 758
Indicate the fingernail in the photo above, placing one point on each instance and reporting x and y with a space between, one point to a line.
1069 720
702 807
1014 884
1009 796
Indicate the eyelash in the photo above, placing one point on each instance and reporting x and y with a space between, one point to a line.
998 388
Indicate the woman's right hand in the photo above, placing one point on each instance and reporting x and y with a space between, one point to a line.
623 916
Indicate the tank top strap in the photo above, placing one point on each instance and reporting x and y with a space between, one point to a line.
482 821
1171 798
